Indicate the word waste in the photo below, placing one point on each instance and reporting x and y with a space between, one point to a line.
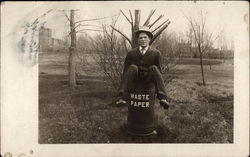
139 100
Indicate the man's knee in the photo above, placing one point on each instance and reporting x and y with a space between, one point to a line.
153 68
133 68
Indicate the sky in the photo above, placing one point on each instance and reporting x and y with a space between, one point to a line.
221 15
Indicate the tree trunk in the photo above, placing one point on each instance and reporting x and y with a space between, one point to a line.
72 51
209 61
135 28
202 72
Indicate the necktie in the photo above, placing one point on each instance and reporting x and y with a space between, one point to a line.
143 51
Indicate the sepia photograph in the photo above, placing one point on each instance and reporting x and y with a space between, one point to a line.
135 72
95 84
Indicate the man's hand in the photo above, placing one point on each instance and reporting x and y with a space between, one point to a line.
164 103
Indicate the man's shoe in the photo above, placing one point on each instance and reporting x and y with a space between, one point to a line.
164 103
121 102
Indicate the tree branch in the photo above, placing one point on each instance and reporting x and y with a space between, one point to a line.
64 13
149 17
96 19
194 31
126 17
190 20
86 25
160 25
160 31
203 24
130 42
132 23
208 42
155 21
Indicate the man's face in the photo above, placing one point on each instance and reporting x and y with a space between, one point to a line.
143 39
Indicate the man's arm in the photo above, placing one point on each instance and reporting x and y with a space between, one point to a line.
158 60
127 62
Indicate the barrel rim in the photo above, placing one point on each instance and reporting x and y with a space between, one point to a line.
154 132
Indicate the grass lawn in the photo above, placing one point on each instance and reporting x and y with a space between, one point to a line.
86 115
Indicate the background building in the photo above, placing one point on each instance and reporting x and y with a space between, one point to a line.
49 44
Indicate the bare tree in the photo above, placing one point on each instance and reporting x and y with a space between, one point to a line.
135 24
167 44
76 27
203 39
110 53
72 50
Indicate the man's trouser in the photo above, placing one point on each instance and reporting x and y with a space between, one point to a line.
135 74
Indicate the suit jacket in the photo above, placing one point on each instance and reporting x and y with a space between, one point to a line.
151 57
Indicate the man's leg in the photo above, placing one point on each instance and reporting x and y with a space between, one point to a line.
159 83
127 80
160 87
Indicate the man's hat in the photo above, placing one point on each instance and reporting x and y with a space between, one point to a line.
144 29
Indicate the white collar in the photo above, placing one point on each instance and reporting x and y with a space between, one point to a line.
146 48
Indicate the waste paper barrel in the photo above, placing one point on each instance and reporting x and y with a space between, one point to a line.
141 102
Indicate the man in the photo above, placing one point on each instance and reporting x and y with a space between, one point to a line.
143 62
